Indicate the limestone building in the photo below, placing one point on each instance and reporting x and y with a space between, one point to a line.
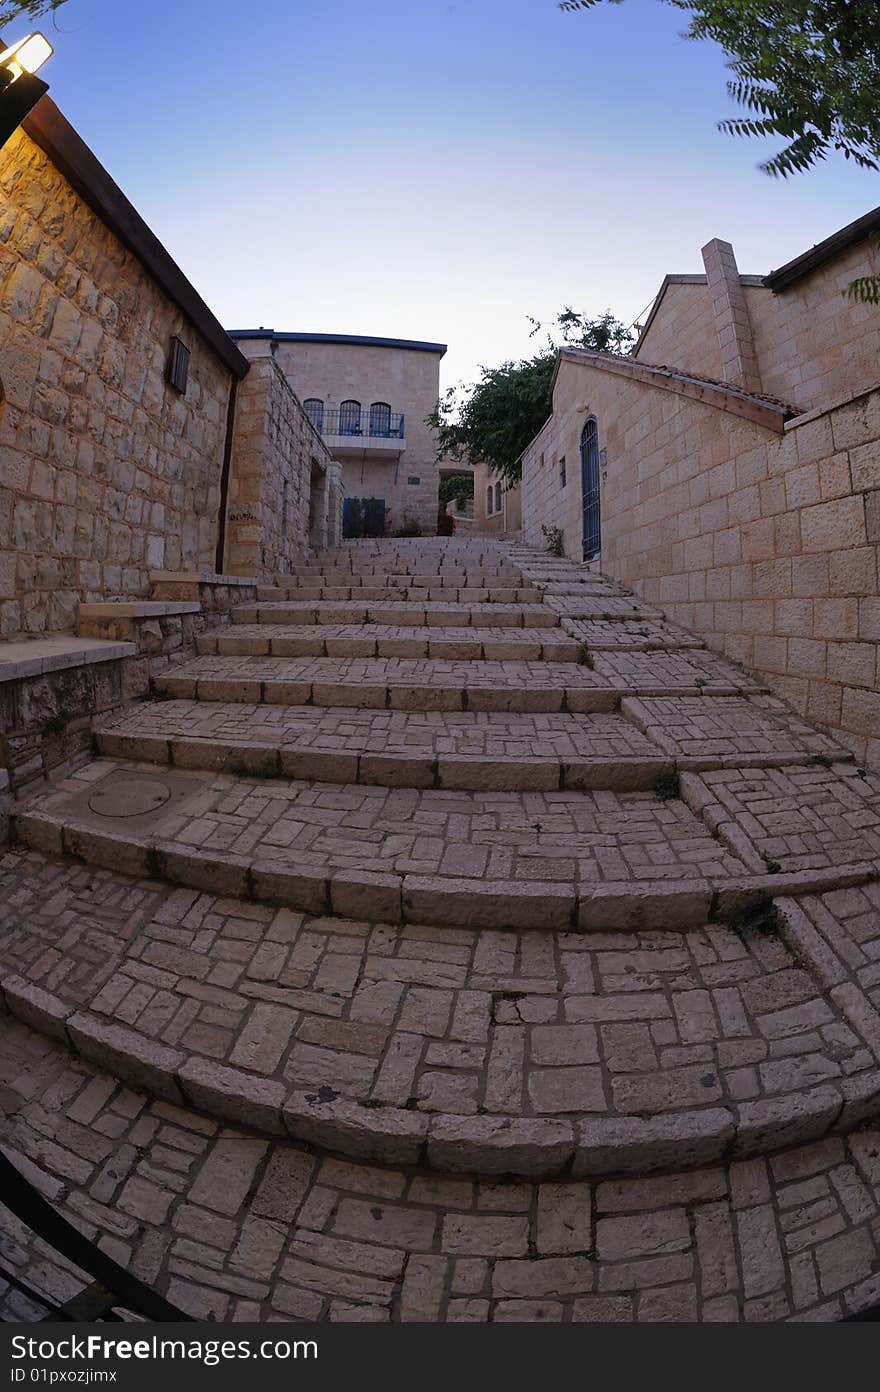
135 437
369 399
729 470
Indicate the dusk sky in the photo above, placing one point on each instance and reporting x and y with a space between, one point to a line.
427 169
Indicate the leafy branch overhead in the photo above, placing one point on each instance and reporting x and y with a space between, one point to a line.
805 70
32 9
494 419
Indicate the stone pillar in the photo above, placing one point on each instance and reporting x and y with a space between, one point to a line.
739 364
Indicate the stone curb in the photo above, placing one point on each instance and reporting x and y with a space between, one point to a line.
519 1147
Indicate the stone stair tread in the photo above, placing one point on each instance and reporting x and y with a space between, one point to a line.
452 684
463 749
501 855
407 612
708 1032
391 639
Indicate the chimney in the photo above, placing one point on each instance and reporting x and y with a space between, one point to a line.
739 365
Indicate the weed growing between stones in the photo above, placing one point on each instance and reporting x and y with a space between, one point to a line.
762 917
56 724
158 693
773 866
261 768
584 656
555 540
668 786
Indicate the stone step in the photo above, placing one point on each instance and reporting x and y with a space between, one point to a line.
474 578
481 751
503 860
629 635
609 608
531 1057
460 644
367 593
440 685
251 1227
410 614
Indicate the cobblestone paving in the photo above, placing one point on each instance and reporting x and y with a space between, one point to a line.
729 727
685 1084
477 734
409 613
439 1020
229 1225
461 643
412 684
576 837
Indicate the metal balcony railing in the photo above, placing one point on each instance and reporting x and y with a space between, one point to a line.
376 423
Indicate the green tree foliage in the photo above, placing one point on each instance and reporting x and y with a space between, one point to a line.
807 71
26 9
494 419
457 486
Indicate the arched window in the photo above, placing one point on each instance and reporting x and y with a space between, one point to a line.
380 419
314 409
350 418
490 497
498 497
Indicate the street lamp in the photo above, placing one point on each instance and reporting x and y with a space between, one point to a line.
20 88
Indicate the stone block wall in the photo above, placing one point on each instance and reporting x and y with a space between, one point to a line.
811 342
765 543
284 484
683 330
46 720
106 472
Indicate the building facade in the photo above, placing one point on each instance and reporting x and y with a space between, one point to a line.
368 399
497 509
729 470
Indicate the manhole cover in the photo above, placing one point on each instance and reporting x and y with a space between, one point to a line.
132 797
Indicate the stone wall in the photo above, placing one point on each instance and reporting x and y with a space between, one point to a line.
812 343
284 485
106 472
683 330
764 543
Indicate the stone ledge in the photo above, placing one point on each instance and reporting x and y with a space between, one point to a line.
138 609
34 657
199 577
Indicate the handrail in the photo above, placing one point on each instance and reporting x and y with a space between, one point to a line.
118 1286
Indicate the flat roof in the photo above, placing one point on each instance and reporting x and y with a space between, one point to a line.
413 344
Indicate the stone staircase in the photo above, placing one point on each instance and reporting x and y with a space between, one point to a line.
520 950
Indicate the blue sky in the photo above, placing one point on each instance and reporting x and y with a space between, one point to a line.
428 169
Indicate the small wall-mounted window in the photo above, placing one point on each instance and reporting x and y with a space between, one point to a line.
498 497
178 365
562 478
413 481
490 500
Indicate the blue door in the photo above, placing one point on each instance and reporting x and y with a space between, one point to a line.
592 526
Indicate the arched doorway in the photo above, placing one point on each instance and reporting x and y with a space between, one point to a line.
592 522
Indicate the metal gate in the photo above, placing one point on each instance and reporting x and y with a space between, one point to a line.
592 523
363 517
